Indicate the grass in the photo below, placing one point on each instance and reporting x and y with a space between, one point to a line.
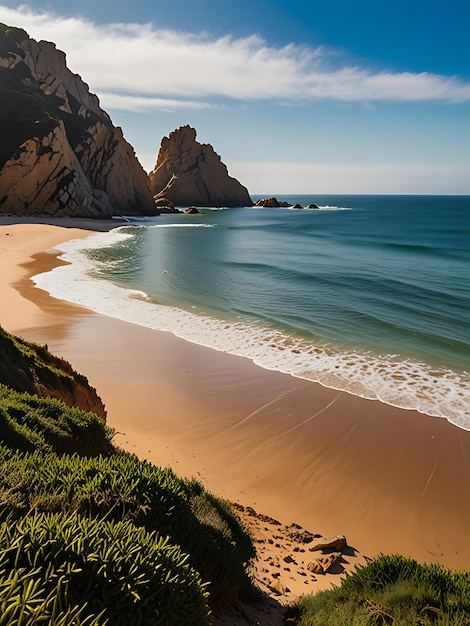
390 590
91 536
124 488
58 462
29 423
55 566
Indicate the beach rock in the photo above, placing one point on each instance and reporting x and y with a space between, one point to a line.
279 588
189 173
164 210
271 203
299 534
268 519
297 206
163 205
192 210
322 563
337 542
60 153
313 206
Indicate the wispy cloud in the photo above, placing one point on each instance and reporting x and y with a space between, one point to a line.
141 67
129 102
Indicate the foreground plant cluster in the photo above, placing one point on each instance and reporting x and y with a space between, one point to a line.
92 536
390 590
104 539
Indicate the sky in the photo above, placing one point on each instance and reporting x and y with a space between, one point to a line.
298 97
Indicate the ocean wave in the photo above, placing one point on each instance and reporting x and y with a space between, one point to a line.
406 384
327 207
182 226
321 208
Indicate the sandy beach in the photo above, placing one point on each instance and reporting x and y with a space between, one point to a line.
390 480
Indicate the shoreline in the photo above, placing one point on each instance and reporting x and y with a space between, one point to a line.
367 372
391 480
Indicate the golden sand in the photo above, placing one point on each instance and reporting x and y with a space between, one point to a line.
390 480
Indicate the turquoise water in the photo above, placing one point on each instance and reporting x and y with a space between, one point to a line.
370 294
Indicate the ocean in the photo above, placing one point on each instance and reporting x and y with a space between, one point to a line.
368 294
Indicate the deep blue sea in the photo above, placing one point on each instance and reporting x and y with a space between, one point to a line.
370 294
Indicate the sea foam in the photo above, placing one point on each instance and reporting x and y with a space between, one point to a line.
402 383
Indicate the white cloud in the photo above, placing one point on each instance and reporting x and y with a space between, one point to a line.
127 102
139 67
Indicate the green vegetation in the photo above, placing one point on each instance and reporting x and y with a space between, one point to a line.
29 423
390 590
90 535
109 571
124 488
38 358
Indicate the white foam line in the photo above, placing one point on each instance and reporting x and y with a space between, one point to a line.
320 208
402 383
182 226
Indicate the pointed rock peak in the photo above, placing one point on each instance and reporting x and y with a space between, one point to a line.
187 133
190 173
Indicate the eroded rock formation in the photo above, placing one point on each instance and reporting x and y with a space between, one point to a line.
189 173
271 203
60 154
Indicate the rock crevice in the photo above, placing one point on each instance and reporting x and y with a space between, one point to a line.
190 173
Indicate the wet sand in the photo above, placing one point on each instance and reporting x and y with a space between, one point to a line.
390 480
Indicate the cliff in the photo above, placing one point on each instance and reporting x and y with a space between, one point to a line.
189 173
31 368
60 154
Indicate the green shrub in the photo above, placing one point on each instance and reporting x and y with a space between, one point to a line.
59 567
124 488
25 601
390 590
29 423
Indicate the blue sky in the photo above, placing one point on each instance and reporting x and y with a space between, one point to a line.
297 97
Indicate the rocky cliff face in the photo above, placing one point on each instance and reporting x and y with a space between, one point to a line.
189 173
60 154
